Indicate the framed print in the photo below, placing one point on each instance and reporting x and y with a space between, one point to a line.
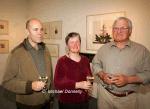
99 28
52 30
4 46
3 27
55 30
46 30
53 49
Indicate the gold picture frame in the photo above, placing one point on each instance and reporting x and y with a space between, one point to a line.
99 29
4 46
53 49
3 27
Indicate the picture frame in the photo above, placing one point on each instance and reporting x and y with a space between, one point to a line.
3 27
46 30
52 30
55 30
4 46
53 49
99 29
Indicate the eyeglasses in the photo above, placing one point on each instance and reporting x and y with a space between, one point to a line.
121 29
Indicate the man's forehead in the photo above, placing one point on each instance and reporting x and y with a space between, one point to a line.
122 22
35 23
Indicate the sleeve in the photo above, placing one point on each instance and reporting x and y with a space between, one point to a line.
11 81
144 67
60 78
97 65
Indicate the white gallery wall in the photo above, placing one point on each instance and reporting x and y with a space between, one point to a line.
73 15
15 12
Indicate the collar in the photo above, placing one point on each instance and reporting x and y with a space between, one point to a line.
128 44
28 46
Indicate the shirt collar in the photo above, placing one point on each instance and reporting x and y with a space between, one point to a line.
28 46
128 44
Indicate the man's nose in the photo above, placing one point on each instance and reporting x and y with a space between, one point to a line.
40 32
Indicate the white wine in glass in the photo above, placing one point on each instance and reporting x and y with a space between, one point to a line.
45 80
90 79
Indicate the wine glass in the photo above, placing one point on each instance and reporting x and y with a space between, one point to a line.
110 86
113 72
44 79
90 79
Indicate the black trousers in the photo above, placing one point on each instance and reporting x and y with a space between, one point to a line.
41 106
84 105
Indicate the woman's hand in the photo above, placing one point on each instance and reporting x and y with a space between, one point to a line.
83 85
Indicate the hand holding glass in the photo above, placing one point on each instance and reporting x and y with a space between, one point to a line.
90 79
44 79
110 86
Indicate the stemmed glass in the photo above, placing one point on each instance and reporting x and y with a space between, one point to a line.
90 79
110 86
113 72
45 80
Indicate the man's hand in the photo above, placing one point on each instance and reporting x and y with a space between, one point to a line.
38 85
106 77
120 80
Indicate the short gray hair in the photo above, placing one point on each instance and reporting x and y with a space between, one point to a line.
123 18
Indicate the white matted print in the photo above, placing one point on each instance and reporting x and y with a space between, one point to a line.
52 30
3 27
99 29
46 30
53 49
4 46
55 30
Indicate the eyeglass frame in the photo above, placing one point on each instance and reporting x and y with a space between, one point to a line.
121 28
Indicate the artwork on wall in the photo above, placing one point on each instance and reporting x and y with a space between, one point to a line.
4 46
99 28
46 30
3 27
52 30
53 49
56 30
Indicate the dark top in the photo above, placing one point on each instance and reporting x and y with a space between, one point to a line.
67 73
